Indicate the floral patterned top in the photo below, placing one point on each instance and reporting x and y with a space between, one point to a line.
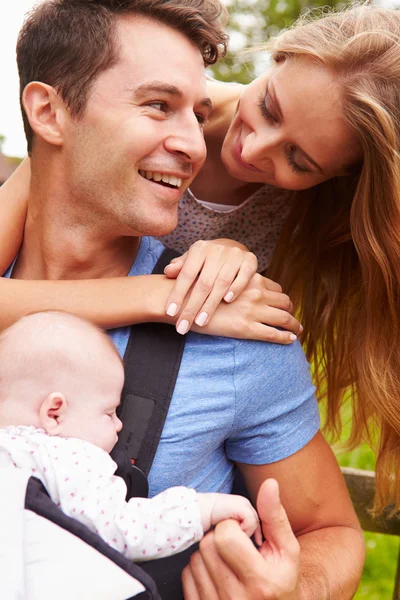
257 222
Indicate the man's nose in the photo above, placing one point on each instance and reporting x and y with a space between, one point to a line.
187 140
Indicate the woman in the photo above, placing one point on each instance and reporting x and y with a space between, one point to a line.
324 123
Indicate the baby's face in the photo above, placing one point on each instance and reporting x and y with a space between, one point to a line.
92 417
98 423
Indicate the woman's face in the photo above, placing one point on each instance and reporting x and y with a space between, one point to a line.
288 130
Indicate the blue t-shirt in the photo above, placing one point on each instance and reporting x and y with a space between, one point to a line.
234 400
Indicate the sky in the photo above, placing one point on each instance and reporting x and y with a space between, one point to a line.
11 18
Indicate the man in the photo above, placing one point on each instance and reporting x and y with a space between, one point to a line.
111 92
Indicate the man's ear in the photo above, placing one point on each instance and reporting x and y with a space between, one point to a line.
51 413
45 111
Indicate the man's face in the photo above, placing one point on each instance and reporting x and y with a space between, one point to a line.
140 143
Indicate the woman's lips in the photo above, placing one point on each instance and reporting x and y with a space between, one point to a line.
238 156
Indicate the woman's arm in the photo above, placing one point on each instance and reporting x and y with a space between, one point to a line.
108 303
124 301
112 303
195 286
13 205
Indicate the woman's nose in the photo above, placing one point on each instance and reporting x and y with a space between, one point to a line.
259 146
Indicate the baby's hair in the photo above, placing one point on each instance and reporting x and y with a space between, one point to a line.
50 351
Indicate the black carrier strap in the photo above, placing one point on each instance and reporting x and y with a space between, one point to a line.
38 501
152 360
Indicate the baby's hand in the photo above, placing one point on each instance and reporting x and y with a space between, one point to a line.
218 507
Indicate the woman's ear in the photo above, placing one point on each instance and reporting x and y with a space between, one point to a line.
45 111
51 413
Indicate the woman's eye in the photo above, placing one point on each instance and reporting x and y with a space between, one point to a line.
201 119
292 163
262 104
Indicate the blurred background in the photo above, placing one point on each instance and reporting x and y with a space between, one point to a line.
251 23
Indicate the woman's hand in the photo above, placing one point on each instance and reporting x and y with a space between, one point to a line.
223 269
208 272
255 315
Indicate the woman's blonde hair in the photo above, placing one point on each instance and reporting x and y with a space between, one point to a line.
339 256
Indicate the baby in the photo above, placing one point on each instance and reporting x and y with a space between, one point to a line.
60 385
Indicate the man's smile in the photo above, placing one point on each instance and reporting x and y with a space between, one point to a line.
164 179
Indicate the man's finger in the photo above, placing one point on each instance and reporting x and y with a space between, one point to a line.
274 521
237 550
197 583
225 580
189 587
199 578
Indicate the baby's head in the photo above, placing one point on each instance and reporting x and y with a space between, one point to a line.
62 374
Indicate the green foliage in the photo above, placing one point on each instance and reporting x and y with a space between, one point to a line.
382 550
15 160
361 457
380 567
251 23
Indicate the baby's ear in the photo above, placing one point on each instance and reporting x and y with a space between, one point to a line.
52 409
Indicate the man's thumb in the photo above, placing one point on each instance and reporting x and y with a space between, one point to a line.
274 521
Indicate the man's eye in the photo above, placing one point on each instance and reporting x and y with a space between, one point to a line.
162 106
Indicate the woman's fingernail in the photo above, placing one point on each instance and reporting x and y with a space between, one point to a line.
183 327
201 319
228 297
172 309
292 337
301 329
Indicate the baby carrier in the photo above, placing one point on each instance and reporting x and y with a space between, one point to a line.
55 556
46 555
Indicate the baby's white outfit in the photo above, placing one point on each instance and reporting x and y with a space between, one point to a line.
80 479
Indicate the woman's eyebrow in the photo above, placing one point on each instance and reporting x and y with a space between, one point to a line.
272 93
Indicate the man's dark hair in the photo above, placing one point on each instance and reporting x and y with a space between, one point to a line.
68 43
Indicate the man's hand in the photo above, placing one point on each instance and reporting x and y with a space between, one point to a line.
228 566
215 508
